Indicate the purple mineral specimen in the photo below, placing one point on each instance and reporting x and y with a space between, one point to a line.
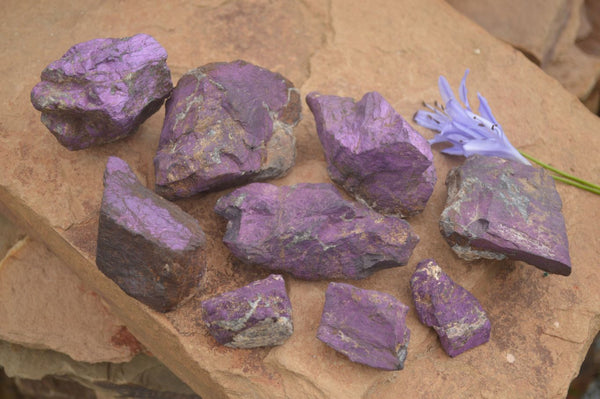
312 232
367 326
102 90
497 208
455 314
226 124
373 153
147 245
259 314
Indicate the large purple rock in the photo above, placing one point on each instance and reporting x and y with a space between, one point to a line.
147 245
102 90
226 124
367 326
312 232
452 311
497 208
259 314
374 153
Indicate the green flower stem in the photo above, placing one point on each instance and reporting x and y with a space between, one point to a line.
576 184
565 177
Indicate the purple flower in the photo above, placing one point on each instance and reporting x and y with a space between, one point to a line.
468 132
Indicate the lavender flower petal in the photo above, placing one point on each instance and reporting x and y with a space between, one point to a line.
445 89
485 110
468 132
428 119
462 91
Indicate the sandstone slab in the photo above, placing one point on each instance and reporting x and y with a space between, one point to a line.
537 36
312 232
45 373
374 153
258 314
102 90
367 326
147 245
226 124
44 305
497 209
562 38
453 312
345 48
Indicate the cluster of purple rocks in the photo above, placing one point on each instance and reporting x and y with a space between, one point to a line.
312 232
367 326
453 312
498 208
373 152
259 314
147 245
102 90
228 124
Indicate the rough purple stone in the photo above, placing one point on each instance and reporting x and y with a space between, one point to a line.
259 314
226 124
147 245
312 232
367 326
497 208
102 90
374 153
452 311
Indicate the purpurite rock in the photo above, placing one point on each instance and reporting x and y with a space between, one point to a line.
226 124
312 232
452 311
147 245
374 153
367 326
259 314
499 209
102 90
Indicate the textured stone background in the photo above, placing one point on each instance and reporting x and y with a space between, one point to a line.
541 326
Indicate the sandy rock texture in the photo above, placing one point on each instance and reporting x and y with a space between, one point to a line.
561 36
45 305
541 326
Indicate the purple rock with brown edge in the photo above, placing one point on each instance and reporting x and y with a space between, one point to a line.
226 124
312 232
102 90
497 209
374 153
259 314
367 326
147 245
452 311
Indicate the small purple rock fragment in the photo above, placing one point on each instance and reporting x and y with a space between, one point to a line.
452 311
147 245
226 124
374 153
259 314
312 232
102 90
367 326
497 208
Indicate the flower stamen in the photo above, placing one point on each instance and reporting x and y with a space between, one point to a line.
481 134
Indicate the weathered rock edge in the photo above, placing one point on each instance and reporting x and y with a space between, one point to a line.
226 124
497 209
102 90
312 232
374 153
454 313
147 245
367 326
256 315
